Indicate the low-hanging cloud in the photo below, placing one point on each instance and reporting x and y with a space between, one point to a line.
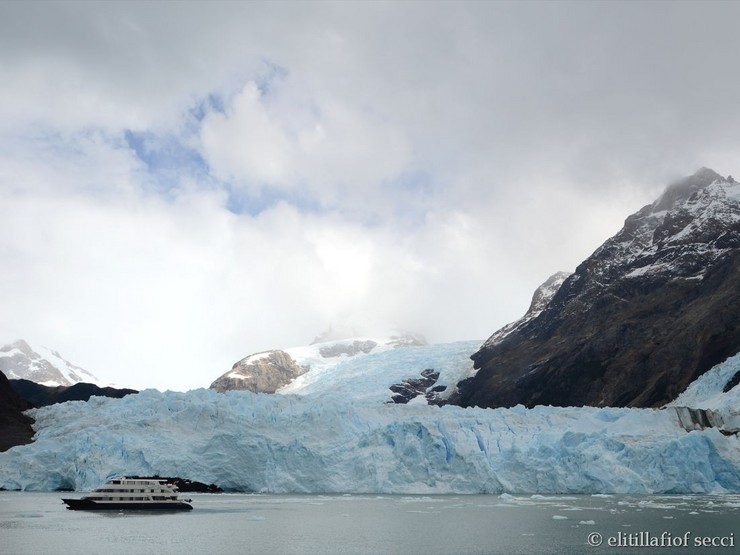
182 187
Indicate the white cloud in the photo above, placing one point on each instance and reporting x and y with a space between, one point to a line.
287 139
419 167
168 292
244 144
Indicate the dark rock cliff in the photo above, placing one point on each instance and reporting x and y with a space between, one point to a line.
652 309
40 395
15 427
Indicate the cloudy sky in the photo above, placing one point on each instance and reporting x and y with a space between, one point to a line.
184 184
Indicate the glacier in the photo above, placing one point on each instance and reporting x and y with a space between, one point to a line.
339 435
706 392
367 377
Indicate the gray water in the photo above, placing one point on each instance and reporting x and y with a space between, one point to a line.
39 523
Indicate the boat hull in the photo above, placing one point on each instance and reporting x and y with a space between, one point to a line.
88 505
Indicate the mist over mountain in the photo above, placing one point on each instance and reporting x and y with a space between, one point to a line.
651 310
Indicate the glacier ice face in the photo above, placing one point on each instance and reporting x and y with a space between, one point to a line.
332 431
706 392
286 443
712 399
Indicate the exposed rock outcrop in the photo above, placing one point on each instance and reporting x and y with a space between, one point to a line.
348 349
700 419
262 373
350 342
652 309
412 388
269 371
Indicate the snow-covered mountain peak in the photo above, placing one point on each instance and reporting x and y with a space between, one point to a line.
652 308
545 292
682 189
541 298
42 365
689 225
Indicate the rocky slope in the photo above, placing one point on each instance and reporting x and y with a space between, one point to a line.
652 309
17 396
41 365
15 427
262 373
542 296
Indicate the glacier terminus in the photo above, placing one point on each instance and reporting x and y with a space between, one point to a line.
330 440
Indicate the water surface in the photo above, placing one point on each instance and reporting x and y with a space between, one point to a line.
39 523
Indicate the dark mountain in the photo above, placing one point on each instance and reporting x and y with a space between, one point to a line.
15 427
40 395
652 309
17 396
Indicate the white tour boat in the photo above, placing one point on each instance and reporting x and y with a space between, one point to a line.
142 494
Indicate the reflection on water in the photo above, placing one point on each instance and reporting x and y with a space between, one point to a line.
37 523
